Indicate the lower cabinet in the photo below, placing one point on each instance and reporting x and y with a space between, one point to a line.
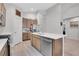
4 51
26 36
57 47
47 46
36 41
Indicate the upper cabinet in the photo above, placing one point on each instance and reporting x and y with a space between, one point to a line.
2 14
27 23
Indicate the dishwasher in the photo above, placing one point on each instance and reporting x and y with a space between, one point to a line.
46 46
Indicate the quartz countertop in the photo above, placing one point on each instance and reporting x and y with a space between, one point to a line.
5 33
2 43
49 35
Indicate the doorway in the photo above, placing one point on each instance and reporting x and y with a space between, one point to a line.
71 41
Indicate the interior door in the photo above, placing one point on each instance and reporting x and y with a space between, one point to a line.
17 30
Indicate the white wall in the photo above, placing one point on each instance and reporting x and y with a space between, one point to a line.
29 15
11 19
71 10
71 32
57 13
40 19
51 22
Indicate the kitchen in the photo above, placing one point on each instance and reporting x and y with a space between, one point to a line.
23 26
33 29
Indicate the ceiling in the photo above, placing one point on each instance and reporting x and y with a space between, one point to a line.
34 6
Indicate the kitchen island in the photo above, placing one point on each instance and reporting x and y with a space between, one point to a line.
48 44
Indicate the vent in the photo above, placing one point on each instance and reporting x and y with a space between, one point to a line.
18 13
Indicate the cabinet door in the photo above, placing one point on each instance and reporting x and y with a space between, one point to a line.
34 42
29 23
38 43
29 35
57 47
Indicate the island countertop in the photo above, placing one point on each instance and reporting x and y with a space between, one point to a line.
2 43
49 35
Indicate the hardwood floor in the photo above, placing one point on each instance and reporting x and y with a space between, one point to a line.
71 47
24 49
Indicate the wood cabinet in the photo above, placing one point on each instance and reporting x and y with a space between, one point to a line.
36 41
57 47
26 36
28 22
47 46
4 51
